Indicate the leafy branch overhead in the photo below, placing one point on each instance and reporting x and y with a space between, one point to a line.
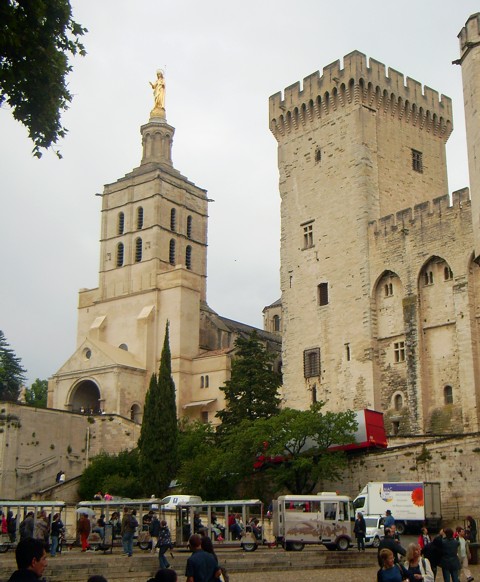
36 40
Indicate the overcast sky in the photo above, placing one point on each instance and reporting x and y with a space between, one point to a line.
223 60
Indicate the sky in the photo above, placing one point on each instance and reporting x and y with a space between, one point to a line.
223 60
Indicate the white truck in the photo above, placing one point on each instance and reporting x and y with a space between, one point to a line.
412 503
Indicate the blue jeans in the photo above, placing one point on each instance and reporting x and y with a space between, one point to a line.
54 546
447 572
163 558
127 542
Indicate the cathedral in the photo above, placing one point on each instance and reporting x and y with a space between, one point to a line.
380 273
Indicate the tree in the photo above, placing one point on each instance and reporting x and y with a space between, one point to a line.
252 391
36 395
158 437
36 39
12 373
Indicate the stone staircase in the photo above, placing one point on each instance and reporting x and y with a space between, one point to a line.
73 566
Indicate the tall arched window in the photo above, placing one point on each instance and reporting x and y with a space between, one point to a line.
173 220
121 223
119 255
138 250
171 255
188 257
448 395
189 226
398 402
139 218
276 323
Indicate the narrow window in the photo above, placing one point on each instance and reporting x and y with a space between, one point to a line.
205 417
398 402
189 227
202 382
348 352
121 223
171 256
173 220
138 250
448 395
417 161
447 273
276 323
119 261
311 363
318 155
207 381
314 394
139 218
188 257
428 278
388 289
323 294
308 236
395 427
399 352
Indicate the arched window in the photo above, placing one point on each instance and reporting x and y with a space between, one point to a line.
136 414
138 250
398 402
447 273
189 227
139 218
171 256
121 223
276 323
173 220
188 257
448 395
120 255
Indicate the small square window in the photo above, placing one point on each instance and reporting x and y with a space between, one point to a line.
399 352
417 161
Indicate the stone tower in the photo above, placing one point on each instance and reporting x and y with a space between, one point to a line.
354 145
470 60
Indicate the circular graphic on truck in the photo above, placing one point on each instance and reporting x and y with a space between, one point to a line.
417 496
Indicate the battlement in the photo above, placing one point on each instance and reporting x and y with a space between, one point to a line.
423 214
363 83
470 34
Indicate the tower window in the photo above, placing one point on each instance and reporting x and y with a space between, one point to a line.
399 352
138 250
322 290
308 236
311 363
202 381
417 161
276 323
318 155
398 402
428 278
188 257
348 352
448 274
121 223
189 227
388 289
171 255
395 427
314 394
139 218
173 220
120 251
448 395
204 416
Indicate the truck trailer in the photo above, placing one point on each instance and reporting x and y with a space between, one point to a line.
413 504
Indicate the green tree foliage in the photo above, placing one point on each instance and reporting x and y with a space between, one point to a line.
252 391
12 373
117 474
158 437
36 395
36 39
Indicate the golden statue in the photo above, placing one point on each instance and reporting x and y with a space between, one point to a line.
159 94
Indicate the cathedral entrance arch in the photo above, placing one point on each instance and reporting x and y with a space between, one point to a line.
85 398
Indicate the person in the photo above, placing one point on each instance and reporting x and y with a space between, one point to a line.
464 553
164 543
472 529
234 527
218 529
207 546
198 526
4 524
394 532
107 497
84 527
26 526
390 544
360 531
390 571
11 525
100 526
129 525
158 87
433 552
114 521
56 530
98 496
201 566
423 538
164 576
41 527
31 557
389 519
418 568
153 530
450 563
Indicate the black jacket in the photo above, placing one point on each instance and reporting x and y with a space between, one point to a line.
392 545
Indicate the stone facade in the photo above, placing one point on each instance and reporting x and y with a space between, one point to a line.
380 288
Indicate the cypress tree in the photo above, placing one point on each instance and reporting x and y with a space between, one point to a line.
158 437
12 373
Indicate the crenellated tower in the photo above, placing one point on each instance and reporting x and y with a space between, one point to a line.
354 144
469 38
